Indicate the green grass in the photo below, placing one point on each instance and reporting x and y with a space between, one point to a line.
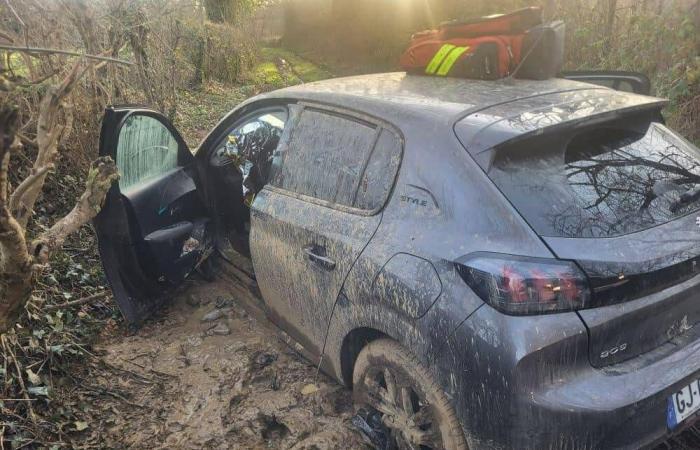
199 110
267 71
18 66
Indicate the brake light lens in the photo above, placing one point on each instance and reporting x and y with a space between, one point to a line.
520 286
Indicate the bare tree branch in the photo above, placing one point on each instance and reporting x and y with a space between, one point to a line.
100 178
31 50
49 132
14 13
34 177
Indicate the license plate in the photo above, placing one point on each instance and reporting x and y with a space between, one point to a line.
683 404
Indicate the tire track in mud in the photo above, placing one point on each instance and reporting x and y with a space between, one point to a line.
226 383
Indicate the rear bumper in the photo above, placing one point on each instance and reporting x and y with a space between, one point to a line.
526 382
624 409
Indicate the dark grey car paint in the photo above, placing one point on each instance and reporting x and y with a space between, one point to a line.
515 382
299 292
507 375
645 323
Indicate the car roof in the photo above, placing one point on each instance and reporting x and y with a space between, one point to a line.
393 95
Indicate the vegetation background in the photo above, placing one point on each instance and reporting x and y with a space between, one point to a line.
196 59
660 38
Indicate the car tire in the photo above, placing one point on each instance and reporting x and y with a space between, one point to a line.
414 411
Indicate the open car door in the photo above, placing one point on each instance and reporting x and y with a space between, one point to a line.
153 228
619 80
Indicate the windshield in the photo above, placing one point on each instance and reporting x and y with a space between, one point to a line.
601 182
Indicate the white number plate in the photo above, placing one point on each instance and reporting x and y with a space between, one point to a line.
683 404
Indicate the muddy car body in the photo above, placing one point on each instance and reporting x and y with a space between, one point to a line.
390 207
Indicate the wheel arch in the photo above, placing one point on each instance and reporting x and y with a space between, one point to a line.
354 327
352 345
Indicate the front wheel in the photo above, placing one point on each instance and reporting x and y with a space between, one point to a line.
414 410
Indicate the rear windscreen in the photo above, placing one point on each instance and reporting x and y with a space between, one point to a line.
601 182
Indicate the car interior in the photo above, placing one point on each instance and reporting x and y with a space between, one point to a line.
238 168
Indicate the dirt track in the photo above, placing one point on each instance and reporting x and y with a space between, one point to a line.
186 383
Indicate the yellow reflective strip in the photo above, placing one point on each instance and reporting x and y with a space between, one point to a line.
450 60
437 59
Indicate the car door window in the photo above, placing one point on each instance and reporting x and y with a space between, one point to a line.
146 148
325 157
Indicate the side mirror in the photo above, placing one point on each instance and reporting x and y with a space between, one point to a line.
619 80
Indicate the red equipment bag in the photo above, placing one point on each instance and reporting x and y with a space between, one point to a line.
517 22
485 58
486 48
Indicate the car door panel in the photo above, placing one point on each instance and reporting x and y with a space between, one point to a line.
164 201
153 228
166 213
332 173
302 253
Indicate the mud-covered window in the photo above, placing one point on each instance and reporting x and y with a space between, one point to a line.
146 148
325 157
378 177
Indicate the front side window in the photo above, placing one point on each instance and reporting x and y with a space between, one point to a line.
146 149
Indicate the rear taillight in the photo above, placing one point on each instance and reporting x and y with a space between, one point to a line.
521 285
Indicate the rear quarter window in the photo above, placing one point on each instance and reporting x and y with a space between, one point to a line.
378 178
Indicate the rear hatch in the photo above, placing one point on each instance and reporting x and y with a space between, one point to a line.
620 195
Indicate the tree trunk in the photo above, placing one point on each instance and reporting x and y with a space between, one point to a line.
200 47
214 11
17 260
16 264
610 25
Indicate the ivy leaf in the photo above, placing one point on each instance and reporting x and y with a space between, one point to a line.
33 377
57 349
39 390
33 343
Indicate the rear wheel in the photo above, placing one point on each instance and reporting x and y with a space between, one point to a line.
413 409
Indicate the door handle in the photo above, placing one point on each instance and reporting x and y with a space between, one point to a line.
312 252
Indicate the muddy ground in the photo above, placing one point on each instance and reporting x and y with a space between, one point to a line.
225 383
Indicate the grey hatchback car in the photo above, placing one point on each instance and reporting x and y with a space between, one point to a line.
488 264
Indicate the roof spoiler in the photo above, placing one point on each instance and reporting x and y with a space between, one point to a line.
588 121
486 129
